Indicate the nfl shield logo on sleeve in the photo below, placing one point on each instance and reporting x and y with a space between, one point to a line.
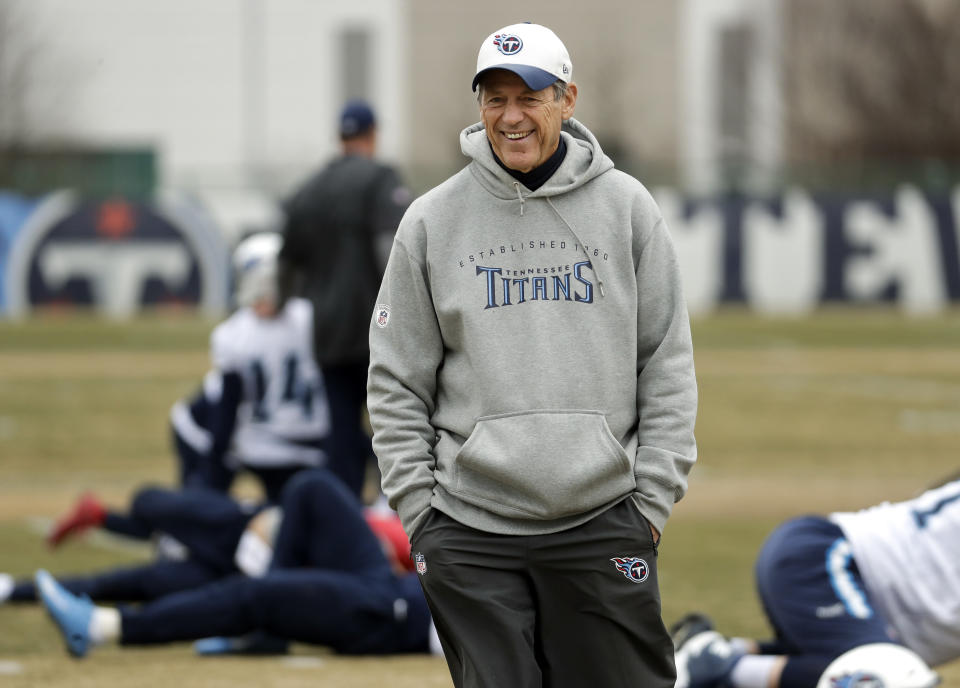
383 315
421 562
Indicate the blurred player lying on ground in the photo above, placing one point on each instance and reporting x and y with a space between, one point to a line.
202 536
835 587
262 408
329 583
198 532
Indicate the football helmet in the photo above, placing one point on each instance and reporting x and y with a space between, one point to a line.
255 268
878 665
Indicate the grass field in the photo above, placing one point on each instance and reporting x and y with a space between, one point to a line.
835 411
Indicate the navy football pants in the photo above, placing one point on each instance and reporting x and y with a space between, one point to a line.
208 524
350 446
330 584
814 596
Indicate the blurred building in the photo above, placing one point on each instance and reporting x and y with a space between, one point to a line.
803 151
240 96
235 98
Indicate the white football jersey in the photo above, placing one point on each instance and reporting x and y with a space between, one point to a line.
283 412
909 556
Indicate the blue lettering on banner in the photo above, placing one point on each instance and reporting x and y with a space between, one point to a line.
785 254
796 251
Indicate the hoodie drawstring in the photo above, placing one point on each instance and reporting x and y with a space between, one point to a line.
516 185
596 270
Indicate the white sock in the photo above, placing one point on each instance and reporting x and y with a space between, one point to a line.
435 647
6 587
753 671
104 625
744 645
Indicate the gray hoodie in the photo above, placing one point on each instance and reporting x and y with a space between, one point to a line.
530 354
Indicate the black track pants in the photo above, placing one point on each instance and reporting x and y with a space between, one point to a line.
575 609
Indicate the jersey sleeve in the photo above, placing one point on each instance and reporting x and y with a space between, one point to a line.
223 355
223 415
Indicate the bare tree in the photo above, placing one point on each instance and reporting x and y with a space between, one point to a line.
873 79
19 56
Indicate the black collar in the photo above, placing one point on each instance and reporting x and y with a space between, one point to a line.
538 176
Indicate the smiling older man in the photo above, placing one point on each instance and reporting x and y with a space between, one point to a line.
532 391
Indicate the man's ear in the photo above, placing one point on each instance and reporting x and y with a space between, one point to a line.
569 102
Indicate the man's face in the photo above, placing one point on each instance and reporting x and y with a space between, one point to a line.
523 125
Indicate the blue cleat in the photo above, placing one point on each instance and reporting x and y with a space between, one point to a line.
72 614
706 660
256 643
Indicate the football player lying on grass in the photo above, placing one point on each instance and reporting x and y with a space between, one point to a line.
855 599
199 535
329 582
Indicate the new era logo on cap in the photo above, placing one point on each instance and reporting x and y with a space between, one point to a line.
531 51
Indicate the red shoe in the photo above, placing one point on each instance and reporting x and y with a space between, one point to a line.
88 512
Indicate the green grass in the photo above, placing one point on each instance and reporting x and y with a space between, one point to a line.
79 332
834 411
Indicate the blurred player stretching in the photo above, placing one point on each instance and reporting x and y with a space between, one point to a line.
263 407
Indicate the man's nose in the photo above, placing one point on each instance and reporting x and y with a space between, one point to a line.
512 113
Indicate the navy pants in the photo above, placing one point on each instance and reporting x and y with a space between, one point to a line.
207 523
330 584
351 448
129 584
198 471
814 596
346 612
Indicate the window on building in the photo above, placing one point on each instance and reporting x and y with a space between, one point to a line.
355 45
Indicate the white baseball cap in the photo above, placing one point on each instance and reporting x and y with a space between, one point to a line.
532 52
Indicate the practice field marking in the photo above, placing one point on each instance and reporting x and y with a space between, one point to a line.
101 365
10 668
930 422
302 662
752 363
904 388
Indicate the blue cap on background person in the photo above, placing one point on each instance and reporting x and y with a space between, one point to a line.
532 52
356 119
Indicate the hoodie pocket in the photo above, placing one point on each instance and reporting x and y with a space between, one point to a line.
542 464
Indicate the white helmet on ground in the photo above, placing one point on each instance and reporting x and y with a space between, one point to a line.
878 665
255 268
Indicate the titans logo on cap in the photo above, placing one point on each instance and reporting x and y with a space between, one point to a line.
508 44
634 569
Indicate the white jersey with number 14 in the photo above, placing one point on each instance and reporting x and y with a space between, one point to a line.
283 413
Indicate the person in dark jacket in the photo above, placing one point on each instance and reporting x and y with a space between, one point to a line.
339 230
